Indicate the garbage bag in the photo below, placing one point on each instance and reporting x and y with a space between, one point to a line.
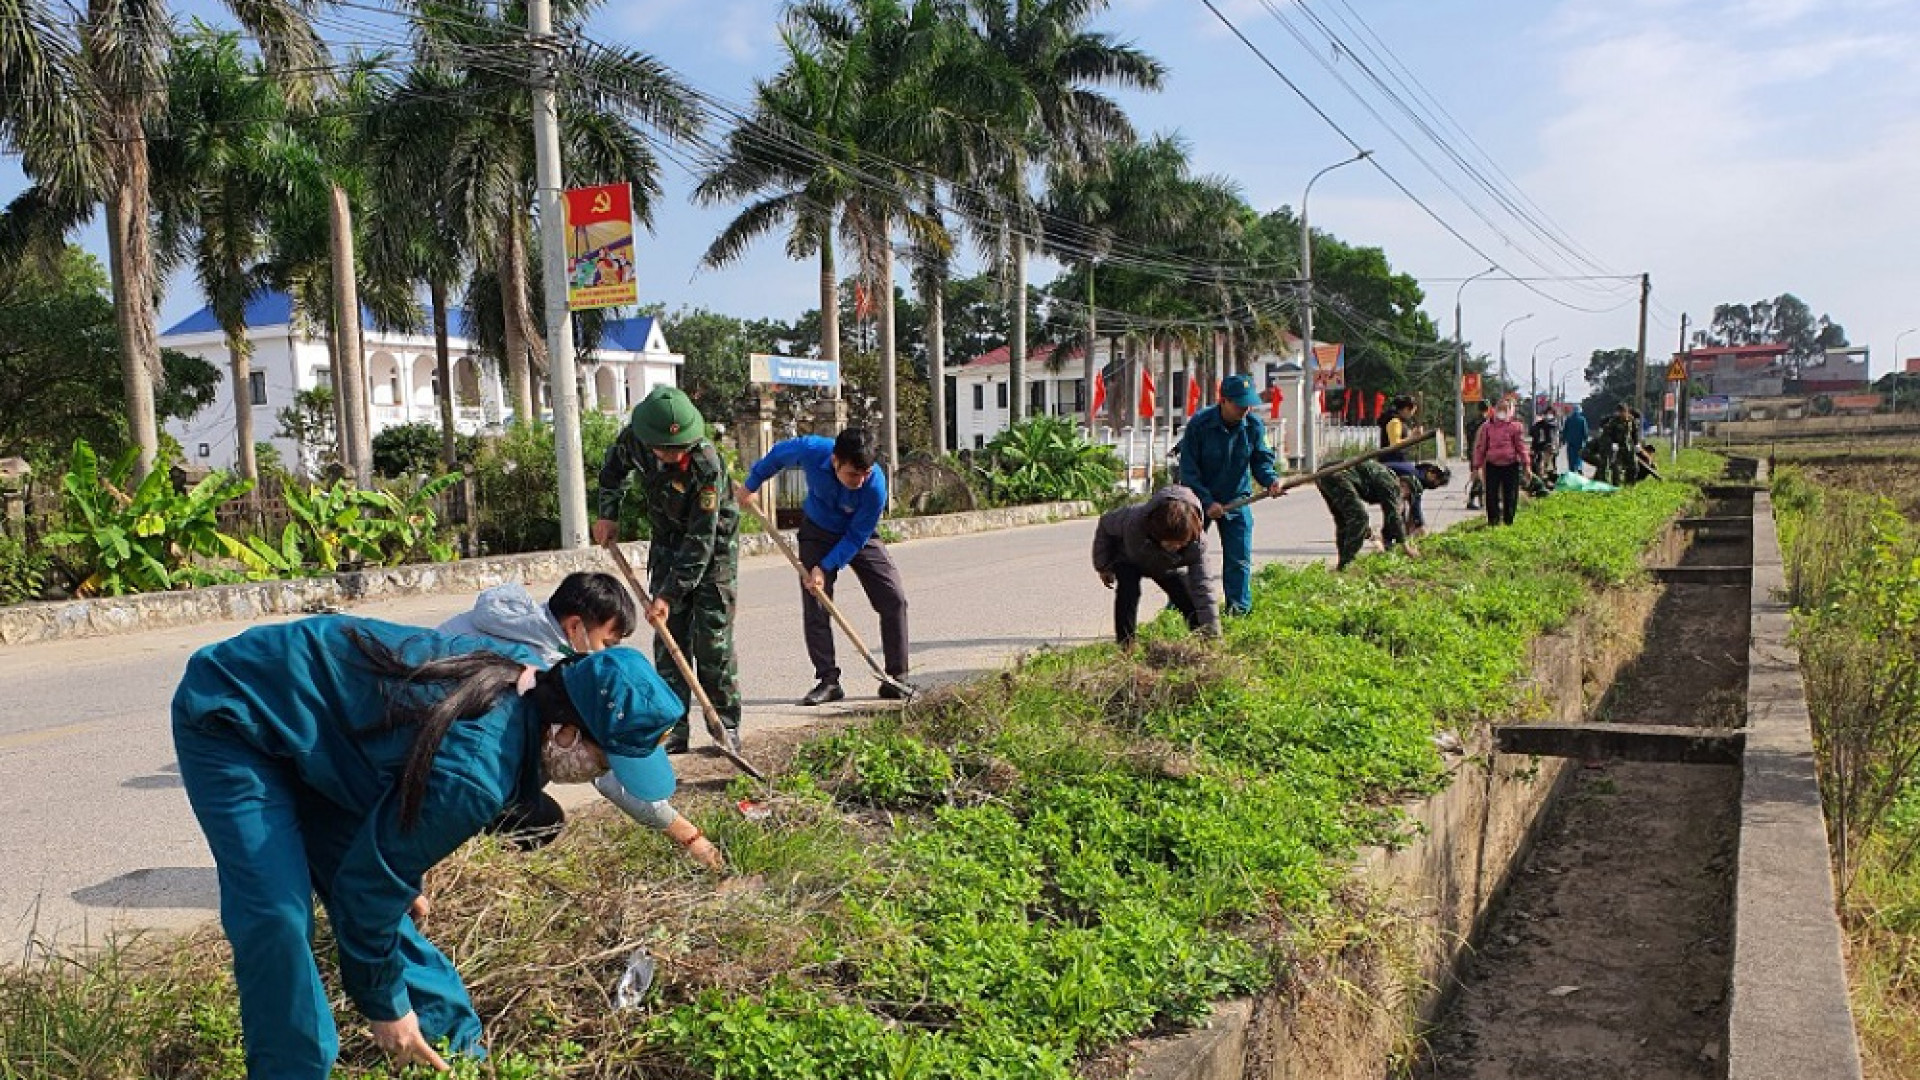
1572 481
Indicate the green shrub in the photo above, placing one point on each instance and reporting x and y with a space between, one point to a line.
343 526
22 572
517 478
1046 459
146 540
414 450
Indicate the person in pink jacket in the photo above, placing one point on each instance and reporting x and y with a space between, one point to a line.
1500 456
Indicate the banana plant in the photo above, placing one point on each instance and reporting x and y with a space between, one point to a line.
145 541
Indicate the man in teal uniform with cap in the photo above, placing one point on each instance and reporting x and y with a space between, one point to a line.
1223 454
343 758
693 560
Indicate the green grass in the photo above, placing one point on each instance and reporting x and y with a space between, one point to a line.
1008 877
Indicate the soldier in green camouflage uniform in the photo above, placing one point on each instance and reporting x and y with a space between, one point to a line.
693 562
1619 438
1347 494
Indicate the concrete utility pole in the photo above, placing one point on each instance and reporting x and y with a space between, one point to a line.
1460 368
553 235
1504 381
1309 434
1640 383
1680 392
1533 378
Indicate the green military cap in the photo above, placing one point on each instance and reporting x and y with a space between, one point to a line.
667 418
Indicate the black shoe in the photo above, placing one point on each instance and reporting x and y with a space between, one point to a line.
827 690
892 692
675 746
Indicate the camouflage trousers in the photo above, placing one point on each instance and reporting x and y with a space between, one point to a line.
702 623
1352 525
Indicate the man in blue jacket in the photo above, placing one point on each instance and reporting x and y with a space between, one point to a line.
846 494
1223 453
1573 435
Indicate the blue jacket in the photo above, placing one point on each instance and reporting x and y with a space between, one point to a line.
299 692
853 515
1574 431
1215 460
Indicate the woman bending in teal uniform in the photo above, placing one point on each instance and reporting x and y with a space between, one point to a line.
342 758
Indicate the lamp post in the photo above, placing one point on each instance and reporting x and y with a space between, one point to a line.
1460 363
1553 368
1533 372
1309 435
1895 381
1503 344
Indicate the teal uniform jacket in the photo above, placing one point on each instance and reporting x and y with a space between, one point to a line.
1221 464
297 795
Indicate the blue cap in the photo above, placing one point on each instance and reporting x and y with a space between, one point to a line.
627 710
1239 390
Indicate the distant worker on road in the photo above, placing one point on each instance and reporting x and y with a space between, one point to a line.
1223 454
1573 436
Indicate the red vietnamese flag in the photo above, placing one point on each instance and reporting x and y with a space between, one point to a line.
1274 397
1146 395
1379 404
1099 396
1193 396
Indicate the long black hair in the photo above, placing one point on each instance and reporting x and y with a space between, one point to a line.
473 684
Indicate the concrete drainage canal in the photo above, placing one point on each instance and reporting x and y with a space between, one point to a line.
1610 955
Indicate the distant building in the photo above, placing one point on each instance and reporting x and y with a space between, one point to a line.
402 376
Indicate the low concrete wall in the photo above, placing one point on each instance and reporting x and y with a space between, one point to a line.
1345 1021
29 623
1789 1018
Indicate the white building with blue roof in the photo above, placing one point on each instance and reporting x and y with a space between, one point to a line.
402 376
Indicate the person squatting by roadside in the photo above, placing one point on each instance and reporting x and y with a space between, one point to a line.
1223 453
693 558
1162 540
587 613
1499 458
343 758
1348 492
846 494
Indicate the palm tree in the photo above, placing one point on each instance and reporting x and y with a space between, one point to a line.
222 156
75 101
832 141
1054 61
485 109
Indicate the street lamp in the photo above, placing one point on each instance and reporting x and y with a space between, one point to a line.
1309 437
1460 363
1503 345
1533 372
1895 411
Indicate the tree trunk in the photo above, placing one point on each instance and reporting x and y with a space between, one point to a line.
517 322
936 306
443 364
338 403
240 359
1087 372
889 357
356 441
130 261
1017 345
829 299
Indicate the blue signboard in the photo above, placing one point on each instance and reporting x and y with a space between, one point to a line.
794 371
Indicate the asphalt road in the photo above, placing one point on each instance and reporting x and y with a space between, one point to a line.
96 835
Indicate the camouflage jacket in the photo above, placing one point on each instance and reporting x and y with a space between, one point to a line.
690 508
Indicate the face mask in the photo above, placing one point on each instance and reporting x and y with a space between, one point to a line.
576 764
1504 414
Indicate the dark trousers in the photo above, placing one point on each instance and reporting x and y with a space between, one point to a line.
1503 492
880 579
1126 599
532 823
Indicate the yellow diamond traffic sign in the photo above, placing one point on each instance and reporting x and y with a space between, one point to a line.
1677 371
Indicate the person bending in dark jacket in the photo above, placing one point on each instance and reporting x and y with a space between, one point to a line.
1160 539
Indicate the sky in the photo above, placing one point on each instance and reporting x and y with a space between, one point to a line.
1732 149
